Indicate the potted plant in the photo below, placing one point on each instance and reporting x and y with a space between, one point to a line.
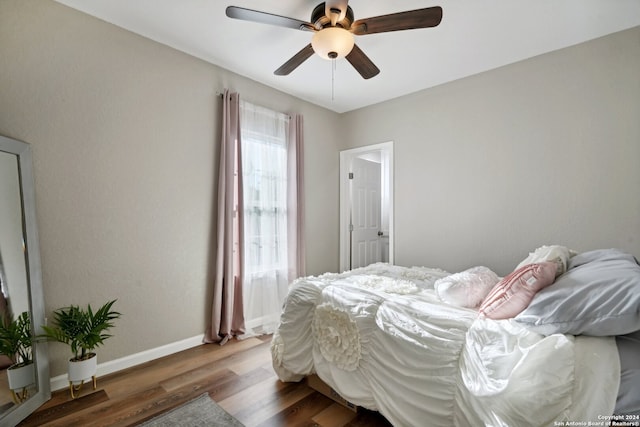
16 341
83 330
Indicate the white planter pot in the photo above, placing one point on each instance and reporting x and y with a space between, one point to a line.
20 379
21 376
82 370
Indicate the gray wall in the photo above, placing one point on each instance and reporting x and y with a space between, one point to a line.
125 136
490 167
125 139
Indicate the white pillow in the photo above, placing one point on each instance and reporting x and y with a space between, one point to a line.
554 253
599 295
467 288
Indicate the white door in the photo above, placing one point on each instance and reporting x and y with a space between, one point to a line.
365 212
381 153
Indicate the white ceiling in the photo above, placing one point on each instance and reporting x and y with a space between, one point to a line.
474 36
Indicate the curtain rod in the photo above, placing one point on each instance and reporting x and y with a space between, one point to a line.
221 95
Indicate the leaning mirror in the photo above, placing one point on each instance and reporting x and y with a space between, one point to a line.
24 367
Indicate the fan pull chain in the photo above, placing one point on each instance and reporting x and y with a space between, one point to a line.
333 77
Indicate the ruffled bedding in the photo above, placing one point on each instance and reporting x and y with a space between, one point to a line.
382 338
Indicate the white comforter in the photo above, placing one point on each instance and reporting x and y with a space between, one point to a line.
380 336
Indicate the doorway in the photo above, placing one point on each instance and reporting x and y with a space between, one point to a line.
366 206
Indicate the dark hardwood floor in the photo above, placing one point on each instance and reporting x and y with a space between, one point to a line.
238 376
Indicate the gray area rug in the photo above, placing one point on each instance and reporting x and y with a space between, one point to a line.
201 411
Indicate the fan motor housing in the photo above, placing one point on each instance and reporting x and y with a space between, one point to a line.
319 19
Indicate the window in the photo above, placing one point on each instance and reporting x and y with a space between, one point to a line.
264 174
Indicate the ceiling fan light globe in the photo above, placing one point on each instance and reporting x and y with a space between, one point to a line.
332 42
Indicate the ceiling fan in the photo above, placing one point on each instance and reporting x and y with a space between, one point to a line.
333 25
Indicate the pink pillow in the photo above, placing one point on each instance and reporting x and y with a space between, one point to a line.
513 294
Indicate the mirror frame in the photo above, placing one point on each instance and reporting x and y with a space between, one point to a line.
34 278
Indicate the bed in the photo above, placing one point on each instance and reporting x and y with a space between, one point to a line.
553 343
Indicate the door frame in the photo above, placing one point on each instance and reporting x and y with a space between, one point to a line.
346 156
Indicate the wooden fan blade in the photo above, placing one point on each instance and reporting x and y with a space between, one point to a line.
267 18
362 63
409 20
295 61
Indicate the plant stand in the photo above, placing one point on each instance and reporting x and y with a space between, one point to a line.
77 387
20 396
81 371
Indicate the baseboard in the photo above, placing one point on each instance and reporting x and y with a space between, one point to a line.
116 365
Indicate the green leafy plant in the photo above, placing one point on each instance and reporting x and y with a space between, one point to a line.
16 339
82 329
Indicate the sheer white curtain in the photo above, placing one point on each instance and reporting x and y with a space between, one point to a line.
264 135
